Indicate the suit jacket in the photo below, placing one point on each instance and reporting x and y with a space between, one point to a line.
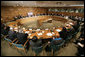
22 37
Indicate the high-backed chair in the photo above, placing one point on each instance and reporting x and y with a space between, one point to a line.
10 41
23 47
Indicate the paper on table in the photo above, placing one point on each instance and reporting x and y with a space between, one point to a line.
38 29
11 28
29 34
39 33
26 31
49 34
30 29
58 30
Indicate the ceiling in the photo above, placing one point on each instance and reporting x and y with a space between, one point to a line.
42 3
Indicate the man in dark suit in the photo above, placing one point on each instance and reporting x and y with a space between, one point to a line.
22 37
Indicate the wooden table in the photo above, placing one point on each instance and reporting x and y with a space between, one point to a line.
43 32
44 35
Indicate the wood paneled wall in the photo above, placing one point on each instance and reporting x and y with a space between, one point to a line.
7 13
10 12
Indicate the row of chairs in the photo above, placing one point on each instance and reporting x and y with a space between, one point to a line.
23 47
15 43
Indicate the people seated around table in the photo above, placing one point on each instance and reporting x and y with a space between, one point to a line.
36 45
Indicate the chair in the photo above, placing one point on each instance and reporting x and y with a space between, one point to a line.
10 41
56 47
74 34
61 44
21 46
